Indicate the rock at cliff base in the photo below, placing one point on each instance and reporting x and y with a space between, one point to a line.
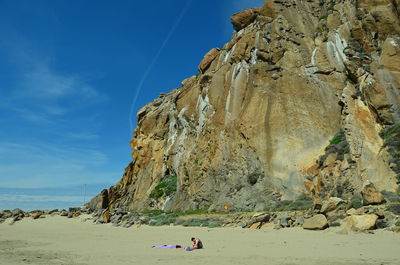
36 215
263 217
16 212
317 222
257 225
284 220
396 229
330 204
106 217
64 213
361 223
52 211
371 195
76 214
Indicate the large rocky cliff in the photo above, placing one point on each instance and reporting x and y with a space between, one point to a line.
300 101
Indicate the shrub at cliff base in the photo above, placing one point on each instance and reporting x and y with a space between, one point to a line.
301 203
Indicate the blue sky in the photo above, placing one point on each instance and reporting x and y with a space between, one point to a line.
70 71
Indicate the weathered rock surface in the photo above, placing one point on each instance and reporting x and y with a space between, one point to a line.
317 222
208 59
361 223
371 195
243 19
17 212
36 215
64 213
330 204
300 82
106 216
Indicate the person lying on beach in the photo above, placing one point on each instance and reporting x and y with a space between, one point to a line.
167 246
197 244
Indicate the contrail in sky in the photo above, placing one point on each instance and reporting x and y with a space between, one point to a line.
151 65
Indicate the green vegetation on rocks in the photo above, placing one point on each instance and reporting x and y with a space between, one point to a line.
301 203
394 208
166 187
356 202
163 219
201 222
391 137
338 145
391 196
193 212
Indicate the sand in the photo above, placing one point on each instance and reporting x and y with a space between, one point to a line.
58 240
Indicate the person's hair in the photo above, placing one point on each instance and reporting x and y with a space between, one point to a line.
192 239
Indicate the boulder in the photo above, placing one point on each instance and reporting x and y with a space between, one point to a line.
16 212
361 223
264 217
353 211
115 218
257 225
299 221
208 59
52 211
283 220
76 214
330 204
242 19
36 214
381 223
317 222
371 195
64 213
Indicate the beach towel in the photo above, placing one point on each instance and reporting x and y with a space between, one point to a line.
173 246
167 246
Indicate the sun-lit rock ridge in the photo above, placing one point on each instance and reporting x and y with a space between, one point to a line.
294 103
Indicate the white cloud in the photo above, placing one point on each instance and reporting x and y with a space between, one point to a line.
46 165
43 83
40 92
82 135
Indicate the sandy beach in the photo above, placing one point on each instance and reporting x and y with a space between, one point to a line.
58 240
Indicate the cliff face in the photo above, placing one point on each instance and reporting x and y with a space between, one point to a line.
294 104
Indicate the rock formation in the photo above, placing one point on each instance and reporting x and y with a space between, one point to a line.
294 104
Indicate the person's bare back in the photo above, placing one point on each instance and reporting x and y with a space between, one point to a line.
197 244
